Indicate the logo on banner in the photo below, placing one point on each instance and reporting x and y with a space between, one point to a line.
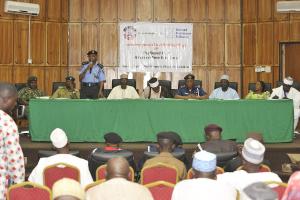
129 33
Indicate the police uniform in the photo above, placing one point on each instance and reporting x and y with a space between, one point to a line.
90 84
184 91
64 92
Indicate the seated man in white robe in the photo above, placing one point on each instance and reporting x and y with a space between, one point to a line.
204 185
224 92
154 90
123 91
286 91
60 141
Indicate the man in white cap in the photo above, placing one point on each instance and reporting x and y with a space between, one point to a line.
123 91
67 189
286 91
154 90
204 185
60 142
224 92
253 155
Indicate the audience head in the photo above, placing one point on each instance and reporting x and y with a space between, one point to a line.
165 142
259 86
67 189
173 135
292 191
154 84
287 84
32 82
8 97
256 136
189 81
117 168
123 80
112 139
253 155
260 191
213 132
59 140
70 82
92 56
204 165
224 82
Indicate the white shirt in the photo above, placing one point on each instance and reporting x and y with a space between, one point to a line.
154 95
204 189
220 94
118 189
36 175
241 179
119 93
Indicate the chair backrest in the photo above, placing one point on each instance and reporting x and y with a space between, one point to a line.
161 190
159 172
28 191
101 173
131 82
268 87
19 86
181 83
89 186
190 173
233 85
47 153
58 171
278 187
55 85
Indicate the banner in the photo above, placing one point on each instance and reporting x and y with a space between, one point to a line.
156 47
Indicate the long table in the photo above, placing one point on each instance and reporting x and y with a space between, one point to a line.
140 120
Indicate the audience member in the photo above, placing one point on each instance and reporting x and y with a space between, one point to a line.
292 191
68 91
100 156
259 92
190 91
166 146
224 92
12 168
154 90
67 189
117 186
123 91
204 184
60 142
260 191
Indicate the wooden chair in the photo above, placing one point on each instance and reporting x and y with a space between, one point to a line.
190 174
28 191
58 171
159 172
101 173
89 186
278 187
161 190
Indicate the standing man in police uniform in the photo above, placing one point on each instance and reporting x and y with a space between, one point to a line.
92 78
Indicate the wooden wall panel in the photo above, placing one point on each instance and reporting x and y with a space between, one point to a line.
249 10
65 10
64 46
275 70
265 10
53 43
42 14
266 77
38 43
233 11
20 42
4 15
279 16
52 74
249 76
126 10
295 30
162 10
75 10
74 71
201 73
214 75
249 44
63 73
74 44
109 44
197 10
215 44
233 44
215 10
295 16
89 39
234 76
180 11
6 73
281 33
39 72
90 11
265 43
199 44
144 10
108 10
6 41
20 74
54 10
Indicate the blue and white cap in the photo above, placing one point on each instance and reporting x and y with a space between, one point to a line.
204 161
253 151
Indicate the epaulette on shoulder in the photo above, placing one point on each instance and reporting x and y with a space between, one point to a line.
100 65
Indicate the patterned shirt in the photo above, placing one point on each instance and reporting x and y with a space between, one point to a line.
27 93
63 92
12 168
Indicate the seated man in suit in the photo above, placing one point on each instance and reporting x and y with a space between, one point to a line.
190 91
123 91
100 156
224 92
69 91
154 90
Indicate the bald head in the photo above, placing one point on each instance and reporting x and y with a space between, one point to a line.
117 168
166 144
8 96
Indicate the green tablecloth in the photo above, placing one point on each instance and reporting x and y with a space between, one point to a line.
140 120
